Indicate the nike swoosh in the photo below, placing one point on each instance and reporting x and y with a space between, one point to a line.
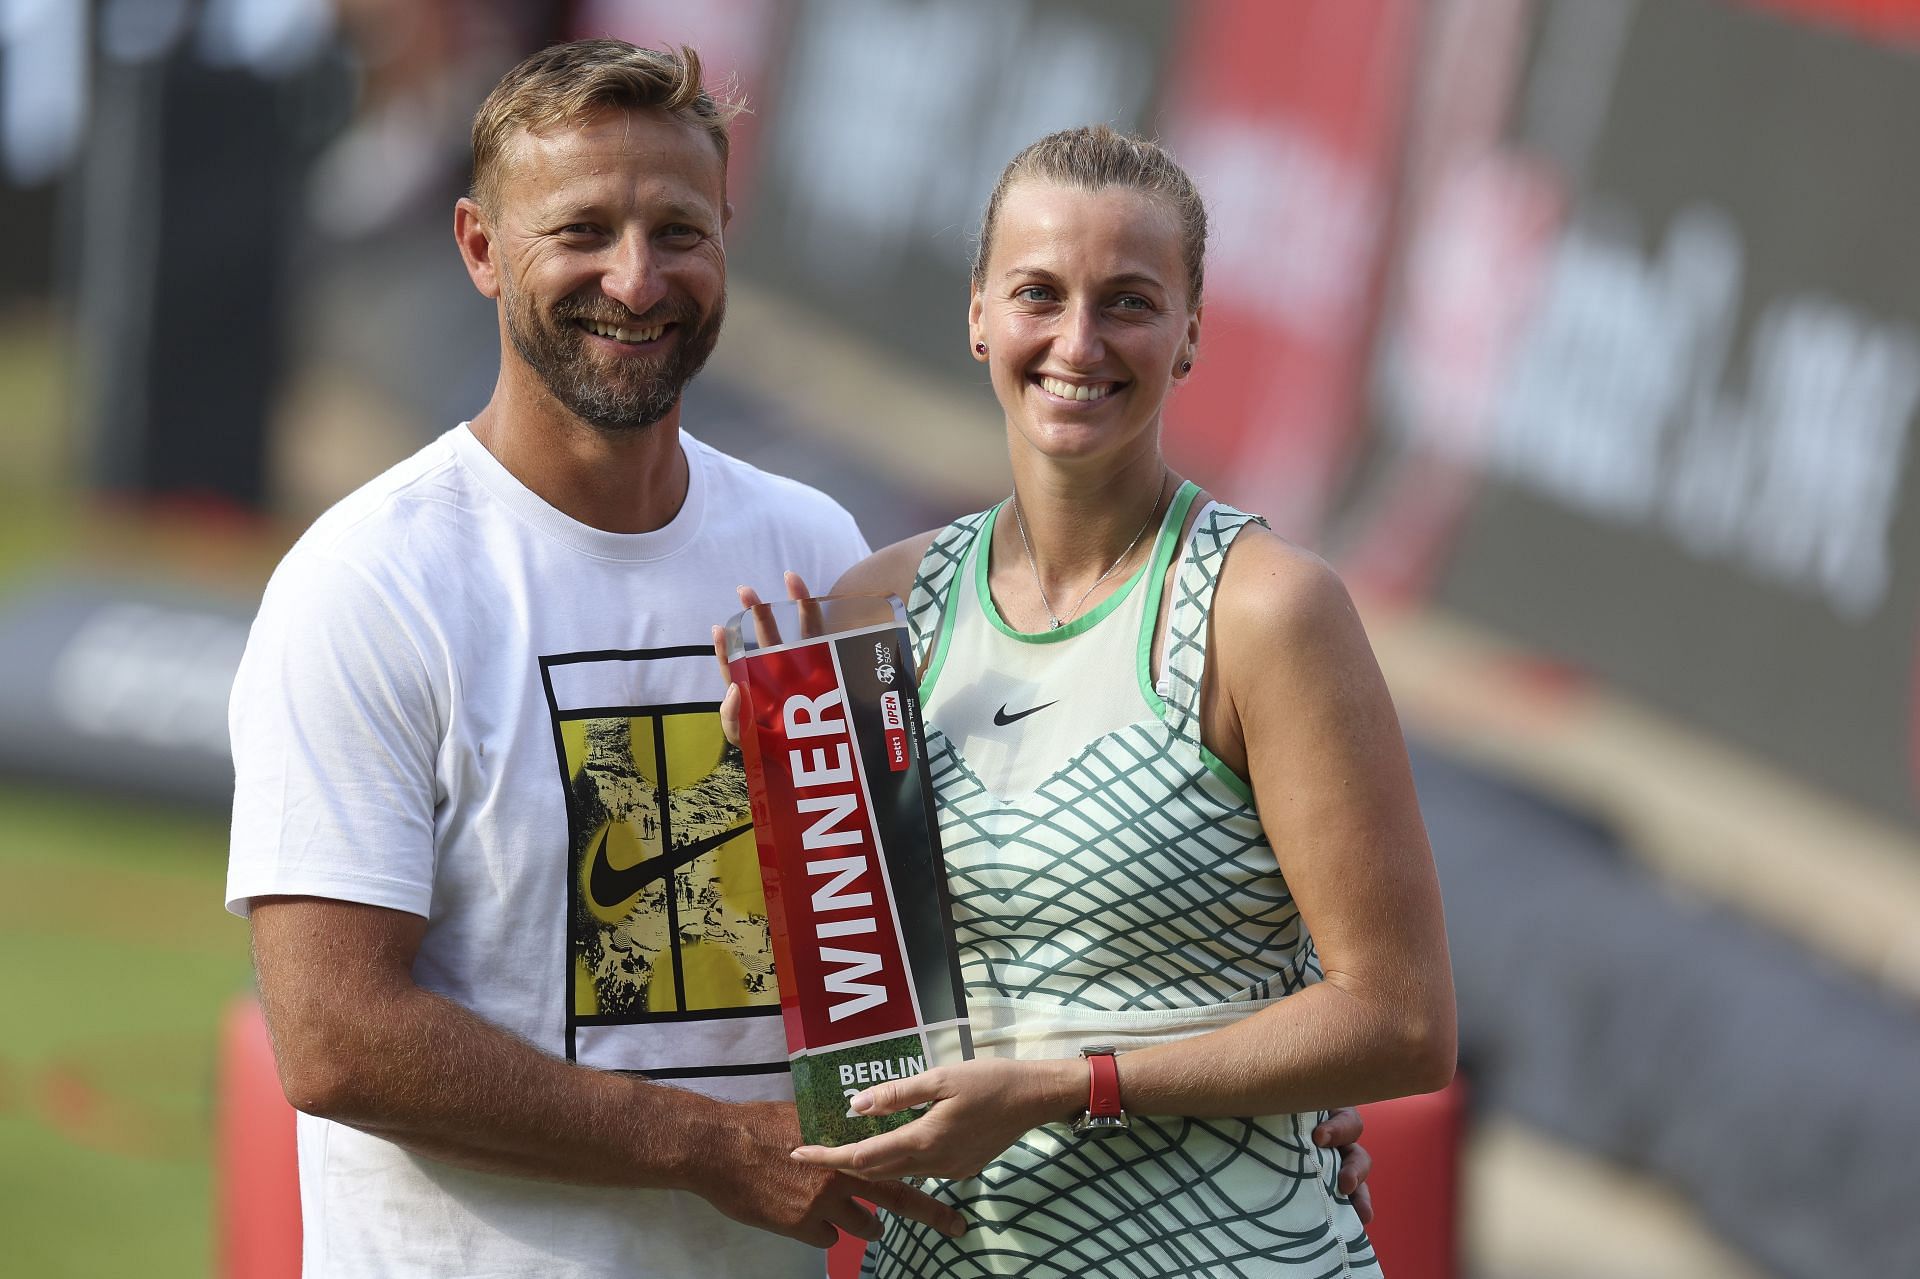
1003 719
609 887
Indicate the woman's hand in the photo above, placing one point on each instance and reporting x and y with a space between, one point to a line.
975 1110
765 634
979 1108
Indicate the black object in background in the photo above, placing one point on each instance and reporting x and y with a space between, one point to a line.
190 197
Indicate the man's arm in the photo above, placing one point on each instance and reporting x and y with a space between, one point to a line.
359 1043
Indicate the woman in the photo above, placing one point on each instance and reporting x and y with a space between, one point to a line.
1175 804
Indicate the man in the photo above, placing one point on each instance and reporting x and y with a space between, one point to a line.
486 827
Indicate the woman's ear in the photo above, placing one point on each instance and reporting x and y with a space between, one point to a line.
1189 350
976 334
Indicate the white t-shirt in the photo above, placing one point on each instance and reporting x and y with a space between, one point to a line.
458 702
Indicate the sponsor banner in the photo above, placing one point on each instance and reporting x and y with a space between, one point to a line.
1289 117
1647 391
120 690
849 855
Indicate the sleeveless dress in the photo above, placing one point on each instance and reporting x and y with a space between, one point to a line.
1125 894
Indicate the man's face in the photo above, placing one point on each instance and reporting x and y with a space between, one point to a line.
611 264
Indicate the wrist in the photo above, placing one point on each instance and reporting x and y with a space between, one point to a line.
679 1139
1065 1089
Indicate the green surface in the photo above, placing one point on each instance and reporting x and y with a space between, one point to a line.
115 960
822 1096
36 497
115 955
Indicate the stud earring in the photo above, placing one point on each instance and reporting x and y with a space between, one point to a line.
1186 367
979 348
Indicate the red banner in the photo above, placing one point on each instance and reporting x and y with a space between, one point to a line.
836 944
1289 118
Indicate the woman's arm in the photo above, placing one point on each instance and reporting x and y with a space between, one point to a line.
1294 702
891 568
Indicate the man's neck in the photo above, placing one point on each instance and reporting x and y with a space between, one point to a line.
619 482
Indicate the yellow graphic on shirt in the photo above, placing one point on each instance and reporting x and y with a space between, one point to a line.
669 916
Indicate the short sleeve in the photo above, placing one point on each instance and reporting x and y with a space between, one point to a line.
335 739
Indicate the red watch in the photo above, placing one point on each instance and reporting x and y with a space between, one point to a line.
1104 1117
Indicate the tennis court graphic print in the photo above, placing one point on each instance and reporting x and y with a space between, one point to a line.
667 940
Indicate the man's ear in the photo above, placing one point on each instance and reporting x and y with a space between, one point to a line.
474 234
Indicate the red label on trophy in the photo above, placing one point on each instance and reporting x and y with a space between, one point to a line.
898 756
849 852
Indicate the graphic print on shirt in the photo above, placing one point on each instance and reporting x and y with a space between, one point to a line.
667 921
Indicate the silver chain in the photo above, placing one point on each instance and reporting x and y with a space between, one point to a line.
1021 523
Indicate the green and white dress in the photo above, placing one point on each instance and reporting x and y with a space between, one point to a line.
1111 884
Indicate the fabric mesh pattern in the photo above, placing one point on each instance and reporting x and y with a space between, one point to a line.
1134 881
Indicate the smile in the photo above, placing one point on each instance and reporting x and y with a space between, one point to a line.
621 334
1068 391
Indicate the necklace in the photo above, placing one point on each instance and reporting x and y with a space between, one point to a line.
1021 523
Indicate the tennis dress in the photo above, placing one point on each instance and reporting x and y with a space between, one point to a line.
1111 885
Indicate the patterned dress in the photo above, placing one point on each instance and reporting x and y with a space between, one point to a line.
1130 898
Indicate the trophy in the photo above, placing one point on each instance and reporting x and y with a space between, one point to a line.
849 852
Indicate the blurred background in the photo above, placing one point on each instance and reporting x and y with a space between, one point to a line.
1582 335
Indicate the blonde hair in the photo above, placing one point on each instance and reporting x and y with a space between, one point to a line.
1092 158
566 83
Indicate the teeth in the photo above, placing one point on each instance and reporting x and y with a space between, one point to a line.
624 335
1068 391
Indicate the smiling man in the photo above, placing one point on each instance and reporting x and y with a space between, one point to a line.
495 849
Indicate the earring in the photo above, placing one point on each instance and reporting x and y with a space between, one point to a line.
1186 367
979 348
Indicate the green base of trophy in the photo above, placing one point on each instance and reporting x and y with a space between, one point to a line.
824 1081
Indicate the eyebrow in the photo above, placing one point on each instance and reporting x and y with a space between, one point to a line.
1123 279
583 210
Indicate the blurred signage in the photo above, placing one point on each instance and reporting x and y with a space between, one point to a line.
1659 346
120 691
1289 118
886 128
889 123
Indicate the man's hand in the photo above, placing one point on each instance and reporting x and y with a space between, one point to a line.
359 1043
760 1184
1340 1133
766 634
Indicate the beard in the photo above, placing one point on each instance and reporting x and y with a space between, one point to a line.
623 394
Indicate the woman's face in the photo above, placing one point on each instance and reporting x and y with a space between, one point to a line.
1084 312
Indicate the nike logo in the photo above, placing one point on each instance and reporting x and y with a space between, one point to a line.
609 887
1003 719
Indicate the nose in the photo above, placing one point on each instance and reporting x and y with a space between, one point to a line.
1078 340
632 276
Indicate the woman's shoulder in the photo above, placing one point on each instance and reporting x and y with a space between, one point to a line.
1274 594
890 569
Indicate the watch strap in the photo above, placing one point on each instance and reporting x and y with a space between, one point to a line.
1103 1083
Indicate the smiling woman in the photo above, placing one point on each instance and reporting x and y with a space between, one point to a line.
1192 893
